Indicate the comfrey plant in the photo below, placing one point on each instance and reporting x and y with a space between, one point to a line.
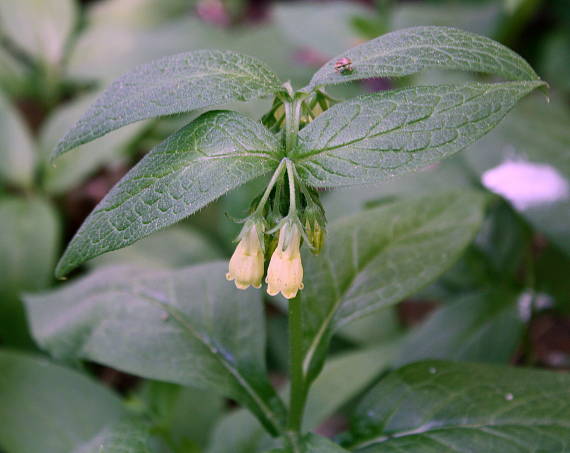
306 142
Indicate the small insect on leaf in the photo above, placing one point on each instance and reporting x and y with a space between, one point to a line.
343 65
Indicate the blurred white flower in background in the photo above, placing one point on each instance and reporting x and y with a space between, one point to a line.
526 184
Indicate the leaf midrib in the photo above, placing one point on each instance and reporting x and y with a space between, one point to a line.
234 372
422 430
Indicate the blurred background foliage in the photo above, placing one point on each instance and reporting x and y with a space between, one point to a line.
507 300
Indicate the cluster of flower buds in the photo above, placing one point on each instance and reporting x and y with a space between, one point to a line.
281 236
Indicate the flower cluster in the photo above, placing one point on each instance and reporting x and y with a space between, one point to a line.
300 223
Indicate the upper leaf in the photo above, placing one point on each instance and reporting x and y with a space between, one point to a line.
174 84
62 408
375 136
411 50
187 326
215 153
443 407
375 259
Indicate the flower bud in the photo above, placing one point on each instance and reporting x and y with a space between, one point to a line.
246 264
285 272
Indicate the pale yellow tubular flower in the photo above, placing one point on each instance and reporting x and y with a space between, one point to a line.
285 272
246 264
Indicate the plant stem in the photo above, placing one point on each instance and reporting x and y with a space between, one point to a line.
292 119
298 394
270 185
292 195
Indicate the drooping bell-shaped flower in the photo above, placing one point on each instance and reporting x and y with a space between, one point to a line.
285 272
246 264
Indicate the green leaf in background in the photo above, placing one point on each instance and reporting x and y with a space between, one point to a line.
412 50
479 327
140 13
173 84
343 377
317 444
171 248
50 409
187 326
445 407
448 174
126 436
477 18
17 149
105 51
324 28
376 136
183 415
72 169
375 259
12 73
39 27
212 155
525 160
29 242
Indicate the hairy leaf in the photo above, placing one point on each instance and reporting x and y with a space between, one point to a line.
375 259
49 409
187 326
376 136
414 49
444 407
215 153
173 84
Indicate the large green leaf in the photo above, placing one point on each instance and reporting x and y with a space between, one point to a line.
17 149
126 436
29 242
376 136
481 327
212 155
188 326
49 409
411 50
174 84
444 407
39 27
375 259
525 160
